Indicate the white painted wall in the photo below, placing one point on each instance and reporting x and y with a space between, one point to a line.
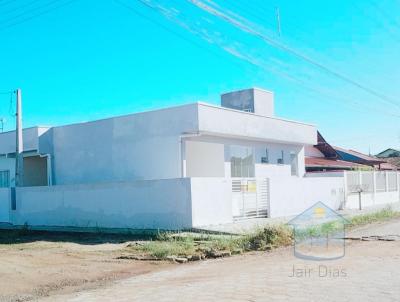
234 123
30 136
133 147
211 201
4 205
163 204
272 169
369 199
147 145
204 159
291 196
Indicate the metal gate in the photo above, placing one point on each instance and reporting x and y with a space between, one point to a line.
250 198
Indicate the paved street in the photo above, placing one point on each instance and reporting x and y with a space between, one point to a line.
368 272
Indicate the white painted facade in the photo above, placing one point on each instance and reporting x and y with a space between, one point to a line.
169 168
157 145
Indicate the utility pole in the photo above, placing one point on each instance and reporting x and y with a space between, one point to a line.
1 124
19 161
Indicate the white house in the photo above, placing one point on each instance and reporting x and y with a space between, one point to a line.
177 167
242 138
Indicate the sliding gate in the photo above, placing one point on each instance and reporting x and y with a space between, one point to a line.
250 198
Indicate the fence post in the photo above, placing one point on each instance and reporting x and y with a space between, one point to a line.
386 181
344 189
374 192
360 190
398 184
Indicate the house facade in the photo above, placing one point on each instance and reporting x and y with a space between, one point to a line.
175 168
238 139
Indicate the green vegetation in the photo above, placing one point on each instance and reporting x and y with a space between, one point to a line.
160 245
207 245
382 215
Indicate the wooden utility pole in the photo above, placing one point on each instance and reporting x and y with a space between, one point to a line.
19 161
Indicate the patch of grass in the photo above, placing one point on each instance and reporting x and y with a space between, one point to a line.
186 244
162 249
382 215
267 238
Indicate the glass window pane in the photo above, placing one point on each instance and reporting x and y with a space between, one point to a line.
242 161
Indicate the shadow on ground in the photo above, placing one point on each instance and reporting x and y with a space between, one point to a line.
18 236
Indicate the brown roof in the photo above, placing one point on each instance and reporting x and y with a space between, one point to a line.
329 163
394 161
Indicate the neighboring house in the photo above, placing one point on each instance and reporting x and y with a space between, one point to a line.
392 156
37 164
363 159
389 153
325 157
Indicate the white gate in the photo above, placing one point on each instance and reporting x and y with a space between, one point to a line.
250 198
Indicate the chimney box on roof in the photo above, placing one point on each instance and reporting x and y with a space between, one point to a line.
253 100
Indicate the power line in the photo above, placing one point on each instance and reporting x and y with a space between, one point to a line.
130 8
283 47
280 72
36 15
29 11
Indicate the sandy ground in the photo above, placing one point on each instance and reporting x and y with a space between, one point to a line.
65 270
36 269
370 271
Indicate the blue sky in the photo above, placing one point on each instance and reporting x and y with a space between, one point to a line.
93 59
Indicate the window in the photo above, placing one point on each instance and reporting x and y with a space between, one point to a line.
4 179
281 160
265 159
242 161
293 164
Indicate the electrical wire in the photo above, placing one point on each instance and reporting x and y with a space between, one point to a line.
223 16
133 10
287 75
36 15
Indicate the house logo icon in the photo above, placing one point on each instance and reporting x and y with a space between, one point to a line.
319 233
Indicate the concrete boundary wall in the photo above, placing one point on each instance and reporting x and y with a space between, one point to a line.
155 204
211 201
292 195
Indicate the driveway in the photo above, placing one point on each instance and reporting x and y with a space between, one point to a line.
370 271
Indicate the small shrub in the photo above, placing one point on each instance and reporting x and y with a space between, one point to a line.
267 238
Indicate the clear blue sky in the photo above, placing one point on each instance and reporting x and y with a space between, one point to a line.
94 59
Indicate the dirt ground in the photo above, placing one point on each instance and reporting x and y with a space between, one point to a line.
368 272
44 264
78 268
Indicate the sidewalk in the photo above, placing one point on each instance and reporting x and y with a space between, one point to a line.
248 225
